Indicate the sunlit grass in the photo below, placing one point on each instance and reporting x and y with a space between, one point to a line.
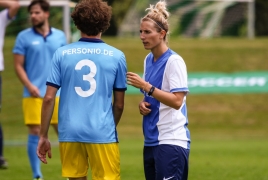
228 131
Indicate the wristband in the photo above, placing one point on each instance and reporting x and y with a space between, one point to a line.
151 91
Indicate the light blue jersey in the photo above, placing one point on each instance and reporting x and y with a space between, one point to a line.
38 52
87 71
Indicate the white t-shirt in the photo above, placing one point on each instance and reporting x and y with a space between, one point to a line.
4 21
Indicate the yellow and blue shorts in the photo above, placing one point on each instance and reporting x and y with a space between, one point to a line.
32 110
102 159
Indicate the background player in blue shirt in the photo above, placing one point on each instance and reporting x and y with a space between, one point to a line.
6 16
33 52
164 84
92 78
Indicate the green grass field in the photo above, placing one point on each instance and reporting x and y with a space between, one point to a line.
229 132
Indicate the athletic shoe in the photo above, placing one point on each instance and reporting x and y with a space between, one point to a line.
38 178
3 163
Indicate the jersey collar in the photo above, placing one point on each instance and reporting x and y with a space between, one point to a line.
94 40
50 31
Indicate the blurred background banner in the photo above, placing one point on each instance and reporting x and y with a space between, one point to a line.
241 82
217 83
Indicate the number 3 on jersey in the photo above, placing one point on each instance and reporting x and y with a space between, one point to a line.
88 77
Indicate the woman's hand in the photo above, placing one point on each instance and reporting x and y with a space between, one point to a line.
135 80
144 108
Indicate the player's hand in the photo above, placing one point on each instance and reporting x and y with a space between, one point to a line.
34 91
144 108
43 149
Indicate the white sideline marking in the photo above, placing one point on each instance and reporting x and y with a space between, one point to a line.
23 143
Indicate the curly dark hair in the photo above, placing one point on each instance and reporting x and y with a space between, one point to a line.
92 16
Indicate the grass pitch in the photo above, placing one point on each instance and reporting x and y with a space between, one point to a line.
228 131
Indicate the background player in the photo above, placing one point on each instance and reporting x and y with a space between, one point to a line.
33 53
6 16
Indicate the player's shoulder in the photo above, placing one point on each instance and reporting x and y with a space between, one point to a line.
67 46
174 56
57 31
26 33
114 49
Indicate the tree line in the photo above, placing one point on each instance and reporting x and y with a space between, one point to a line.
120 8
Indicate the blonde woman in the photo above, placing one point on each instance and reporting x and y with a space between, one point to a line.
164 85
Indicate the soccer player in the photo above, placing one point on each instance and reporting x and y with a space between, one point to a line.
92 78
164 84
33 52
6 16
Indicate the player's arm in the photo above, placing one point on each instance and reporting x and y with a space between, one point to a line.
118 105
12 6
47 109
173 100
21 73
44 147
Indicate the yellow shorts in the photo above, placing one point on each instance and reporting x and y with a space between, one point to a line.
103 159
32 110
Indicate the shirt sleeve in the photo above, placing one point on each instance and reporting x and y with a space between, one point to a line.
4 18
54 78
121 79
177 74
20 47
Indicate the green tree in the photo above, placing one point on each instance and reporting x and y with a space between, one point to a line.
261 19
119 9
22 20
